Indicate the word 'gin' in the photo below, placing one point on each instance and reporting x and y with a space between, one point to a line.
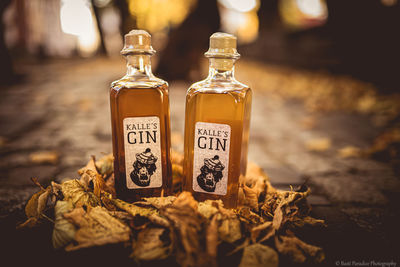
140 124
217 127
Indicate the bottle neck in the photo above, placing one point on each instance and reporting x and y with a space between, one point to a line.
221 69
138 65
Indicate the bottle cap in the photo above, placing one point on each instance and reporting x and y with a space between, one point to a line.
139 42
222 45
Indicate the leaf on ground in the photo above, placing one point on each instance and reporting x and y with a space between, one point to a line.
43 157
258 255
249 217
64 231
105 165
307 220
284 206
159 202
207 209
149 245
37 203
229 230
250 197
78 193
349 152
96 227
262 232
297 250
133 209
212 240
187 224
319 144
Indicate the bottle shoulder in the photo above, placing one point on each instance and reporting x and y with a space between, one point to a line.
216 87
138 82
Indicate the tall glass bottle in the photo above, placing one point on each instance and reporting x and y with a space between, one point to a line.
140 123
217 121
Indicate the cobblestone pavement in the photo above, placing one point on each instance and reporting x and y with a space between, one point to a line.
62 108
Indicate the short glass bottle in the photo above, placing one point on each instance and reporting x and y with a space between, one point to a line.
140 121
217 120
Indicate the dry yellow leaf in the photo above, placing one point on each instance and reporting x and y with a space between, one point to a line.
258 255
297 250
78 193
64 231
320 144
43 157
96 227
149 245
349 152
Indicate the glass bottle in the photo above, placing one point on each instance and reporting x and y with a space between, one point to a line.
217 121
140 123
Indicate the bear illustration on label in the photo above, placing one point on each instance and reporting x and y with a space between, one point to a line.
211 174
143 168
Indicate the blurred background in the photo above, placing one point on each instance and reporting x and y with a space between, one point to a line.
325 77
355 37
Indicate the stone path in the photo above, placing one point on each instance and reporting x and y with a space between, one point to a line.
62 108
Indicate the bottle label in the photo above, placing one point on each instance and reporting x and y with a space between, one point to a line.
142 152
211 157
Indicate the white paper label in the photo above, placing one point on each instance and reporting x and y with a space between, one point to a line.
211 157
142 152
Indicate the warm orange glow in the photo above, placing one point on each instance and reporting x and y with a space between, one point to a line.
157 15
240 5
240 18
77 18
303 13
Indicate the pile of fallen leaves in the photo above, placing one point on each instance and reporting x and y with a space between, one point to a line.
179 229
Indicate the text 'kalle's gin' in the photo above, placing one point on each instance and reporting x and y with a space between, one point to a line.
140 123
217 120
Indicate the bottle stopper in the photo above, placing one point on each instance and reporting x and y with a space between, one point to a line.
222 45
138 42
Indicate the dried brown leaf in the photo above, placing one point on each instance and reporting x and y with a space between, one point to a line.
307 220
105 165
262 232
32 207
96 227
229 230
43 157
78 193
318 144
207 209
187 224
250 197
159 202
64 231
297 250
133 209
212 240
349 152
150 246
258 255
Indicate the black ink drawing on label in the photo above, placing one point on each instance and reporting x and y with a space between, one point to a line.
143 168
211 174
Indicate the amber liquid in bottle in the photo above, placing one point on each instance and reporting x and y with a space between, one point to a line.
140 131
216 133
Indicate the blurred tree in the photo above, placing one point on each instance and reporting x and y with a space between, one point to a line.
128 22
7 74
188 42
96 11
